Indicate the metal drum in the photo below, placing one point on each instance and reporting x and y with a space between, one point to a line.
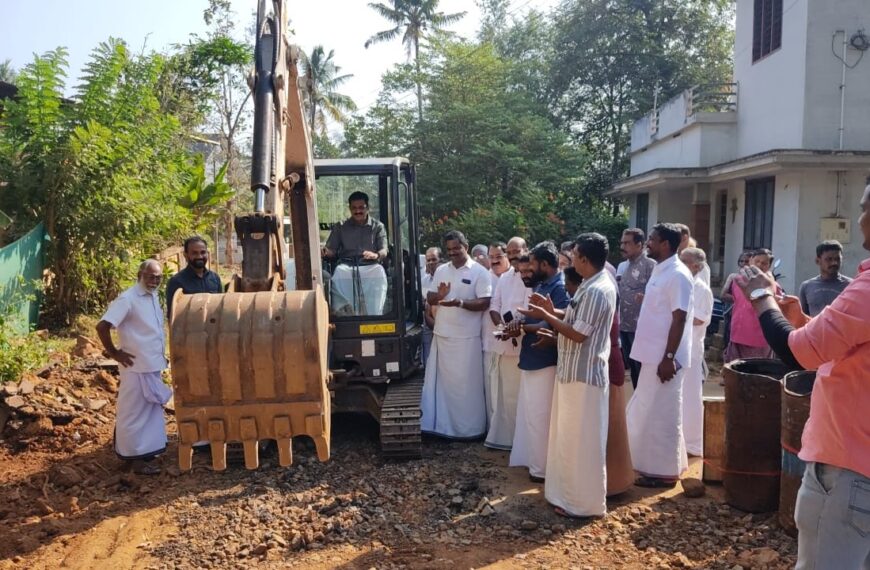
752 426
796 390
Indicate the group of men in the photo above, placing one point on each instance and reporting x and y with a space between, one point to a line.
523 358
517 361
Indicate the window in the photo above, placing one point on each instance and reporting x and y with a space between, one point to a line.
766 28
758 216
641 218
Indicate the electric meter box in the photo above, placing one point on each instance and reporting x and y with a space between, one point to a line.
835 228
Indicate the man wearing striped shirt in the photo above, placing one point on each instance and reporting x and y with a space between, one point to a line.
576 455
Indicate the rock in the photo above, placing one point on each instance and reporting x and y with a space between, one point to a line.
259 549
106 381
85 348
15 402
40 426
693 488
457 501
528 525
73 505
10 389
764 556
173 470
94 405
65 476
26 387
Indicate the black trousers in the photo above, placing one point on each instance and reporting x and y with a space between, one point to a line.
627 339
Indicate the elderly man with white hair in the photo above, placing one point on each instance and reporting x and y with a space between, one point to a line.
140 429
693 383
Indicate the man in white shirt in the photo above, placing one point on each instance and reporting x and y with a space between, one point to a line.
686 240
140 430
453 395
504 378
498 266
693 383
663 346
433 260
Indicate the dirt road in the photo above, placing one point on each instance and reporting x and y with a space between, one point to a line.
66 502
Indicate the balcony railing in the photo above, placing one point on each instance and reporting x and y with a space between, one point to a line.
711 98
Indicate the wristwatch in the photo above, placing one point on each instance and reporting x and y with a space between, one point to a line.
461 303
669 355
761 293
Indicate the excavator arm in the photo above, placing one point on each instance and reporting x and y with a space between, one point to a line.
251 364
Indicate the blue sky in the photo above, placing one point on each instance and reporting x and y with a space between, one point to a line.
29 26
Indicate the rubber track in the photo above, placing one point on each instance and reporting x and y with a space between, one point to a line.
400 420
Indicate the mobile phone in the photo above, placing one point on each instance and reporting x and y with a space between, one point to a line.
508 317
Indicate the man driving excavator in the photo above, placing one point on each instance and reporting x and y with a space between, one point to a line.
359 283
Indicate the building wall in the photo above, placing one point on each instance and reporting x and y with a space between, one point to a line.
734 225
786 207
680 151
817 201
674 206
824 75
771 91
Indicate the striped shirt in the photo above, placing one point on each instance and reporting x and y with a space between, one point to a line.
589 313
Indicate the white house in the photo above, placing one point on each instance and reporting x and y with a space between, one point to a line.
780 157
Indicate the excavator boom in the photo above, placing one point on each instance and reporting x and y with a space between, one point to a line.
251 364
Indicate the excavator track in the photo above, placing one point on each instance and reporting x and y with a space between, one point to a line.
400 420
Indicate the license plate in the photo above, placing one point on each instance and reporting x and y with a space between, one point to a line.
379 328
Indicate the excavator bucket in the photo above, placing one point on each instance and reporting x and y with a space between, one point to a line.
249 367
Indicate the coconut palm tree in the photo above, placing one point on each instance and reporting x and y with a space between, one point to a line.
412 19
7 72
320 79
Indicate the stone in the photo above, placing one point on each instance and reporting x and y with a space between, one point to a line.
94 405
106 381
65 476
10 389
15 402
764 556
456 501
85 348
26 387
259 549
693 488
528 525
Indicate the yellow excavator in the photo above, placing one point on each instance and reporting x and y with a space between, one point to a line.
269 358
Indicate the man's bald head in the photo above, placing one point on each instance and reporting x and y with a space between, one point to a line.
516 248
150 274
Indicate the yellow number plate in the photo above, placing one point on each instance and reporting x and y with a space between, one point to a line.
380 328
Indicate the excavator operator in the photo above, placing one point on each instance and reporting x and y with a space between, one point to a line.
359 283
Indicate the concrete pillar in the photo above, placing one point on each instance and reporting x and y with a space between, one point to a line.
700 223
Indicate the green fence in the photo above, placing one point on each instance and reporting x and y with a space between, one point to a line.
22 263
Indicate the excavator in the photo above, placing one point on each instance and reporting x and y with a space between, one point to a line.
296 337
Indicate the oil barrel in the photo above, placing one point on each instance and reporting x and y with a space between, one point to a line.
753 392
796 390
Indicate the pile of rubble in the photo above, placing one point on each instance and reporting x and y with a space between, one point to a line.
67 402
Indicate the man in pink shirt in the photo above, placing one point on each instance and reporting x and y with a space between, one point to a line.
833 505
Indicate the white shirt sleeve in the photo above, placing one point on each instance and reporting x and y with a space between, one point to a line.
679 293
495 302
483 283
117 311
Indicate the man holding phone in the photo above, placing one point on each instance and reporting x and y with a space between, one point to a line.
663 345
538 358
510 293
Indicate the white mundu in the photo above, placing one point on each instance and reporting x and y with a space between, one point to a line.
140 429
504 377
453 395
359 290
693 381
654 414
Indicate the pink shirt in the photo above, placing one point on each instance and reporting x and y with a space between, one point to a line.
745 328
837 343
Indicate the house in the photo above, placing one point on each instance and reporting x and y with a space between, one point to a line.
780 157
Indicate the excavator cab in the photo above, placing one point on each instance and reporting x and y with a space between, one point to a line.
375 309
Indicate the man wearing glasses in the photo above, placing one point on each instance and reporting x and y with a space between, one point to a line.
632 283
140 431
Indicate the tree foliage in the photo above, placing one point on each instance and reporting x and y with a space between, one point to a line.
320 80
101 170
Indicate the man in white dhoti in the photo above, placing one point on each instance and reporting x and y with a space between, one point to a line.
538 358
140 430
576 482
503 378
499 265
663 346
359 283
693 383
453 398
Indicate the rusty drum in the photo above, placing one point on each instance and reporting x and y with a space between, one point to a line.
752 426
796 390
